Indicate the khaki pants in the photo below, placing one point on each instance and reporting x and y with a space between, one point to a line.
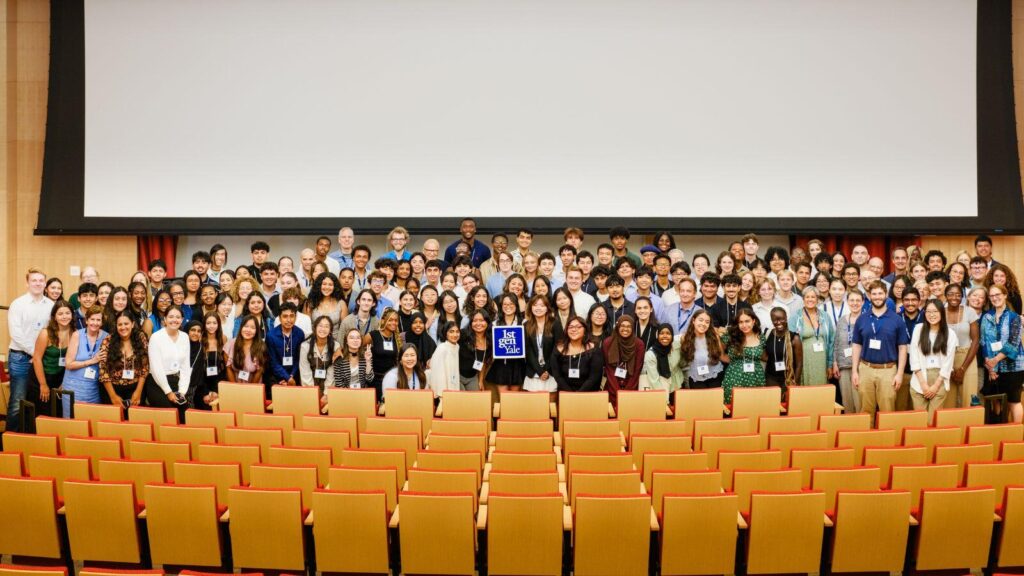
959 395
933 404
903 402
876 392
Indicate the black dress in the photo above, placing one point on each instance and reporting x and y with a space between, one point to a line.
507 372
385 357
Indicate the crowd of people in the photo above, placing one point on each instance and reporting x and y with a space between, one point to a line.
921 331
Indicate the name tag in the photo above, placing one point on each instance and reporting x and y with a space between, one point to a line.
90 373
932 362
780 366
996 346
389 345
211 370
39 325
320 373
703 370
848 352
478 365
286 361
174 366
127 374
748 366
355 384
243 375
620 372
818 347
574 372
62 361
875 344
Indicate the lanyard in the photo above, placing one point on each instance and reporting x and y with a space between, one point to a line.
836 317
287 344
579 362
359 326
775 341
914 320
730 312
647 339
679 318
816 326
90 350
617 311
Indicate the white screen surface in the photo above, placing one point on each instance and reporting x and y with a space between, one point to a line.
527 108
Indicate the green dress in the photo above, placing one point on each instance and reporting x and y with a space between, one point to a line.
736 376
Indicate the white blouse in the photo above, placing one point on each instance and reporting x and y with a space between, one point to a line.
921 362
170 356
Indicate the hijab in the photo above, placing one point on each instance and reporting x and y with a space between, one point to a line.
623 350
661 351
424 344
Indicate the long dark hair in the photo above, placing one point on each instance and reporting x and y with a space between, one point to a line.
939 346
257 350
311 354
517 315
219 335
443 317
469 336
403 380
563 343
470 306
687 347
605 330
52 328
531 320
137 339
736 336
315 293
110 315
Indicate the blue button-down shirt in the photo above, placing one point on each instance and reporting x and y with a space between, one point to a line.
278 347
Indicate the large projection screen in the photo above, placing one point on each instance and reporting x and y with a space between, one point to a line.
691 114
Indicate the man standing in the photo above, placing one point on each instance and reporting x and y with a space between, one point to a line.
750 248
619 236
343 255
679 313
478 252
860 255
616 306
900 259
201 266
978 271
499 244
581 301
28 315
879 353
323 248
259 250
911 316
983 247
524 239
283 341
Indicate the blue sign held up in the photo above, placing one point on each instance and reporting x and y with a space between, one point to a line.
508 342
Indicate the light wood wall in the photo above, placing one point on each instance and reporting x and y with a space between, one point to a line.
24 36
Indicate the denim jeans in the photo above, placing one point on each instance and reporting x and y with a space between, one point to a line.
19 366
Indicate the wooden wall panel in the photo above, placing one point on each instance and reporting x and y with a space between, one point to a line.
25 37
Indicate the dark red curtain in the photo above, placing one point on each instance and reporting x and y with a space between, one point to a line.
880 246
162 247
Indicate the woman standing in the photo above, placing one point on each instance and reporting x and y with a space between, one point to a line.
576 363
645 325
817 335
842 352
256 308
700 353
82 370
448 311
784 353
661 360
317 354
475 350
932 350
126 365
416 334
1004 360
325 300
765 302
444 364
428 306
624 359
564 310
49 355
962 321
225 308
744 347
1001 275
353 366
835 306
170 372
407 375
211 366
597 325
117 302
407 305
138 302
384 344
54 289
539 343
516 284
246 353
507 374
